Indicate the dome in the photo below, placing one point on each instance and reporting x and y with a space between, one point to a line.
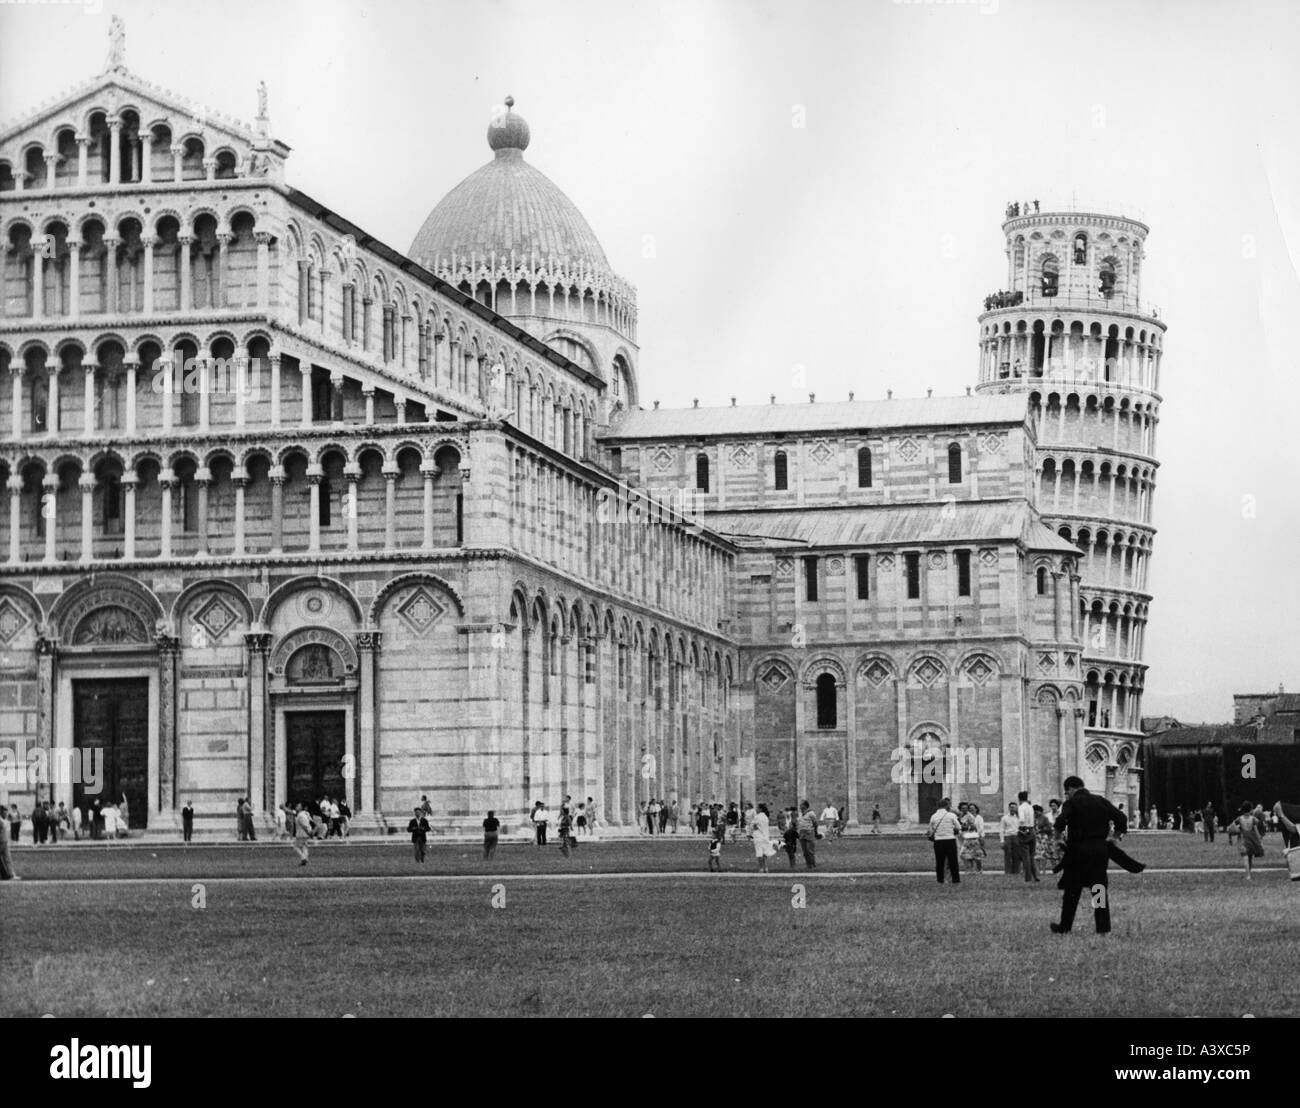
505 206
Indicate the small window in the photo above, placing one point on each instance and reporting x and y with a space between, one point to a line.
40 400
324 502
864 468
954 464
189 505
190 392
781 470
112 505
1107 275
862 567
912 564
322 399
1050 276
810 578
963 572
826 715
1042 580
702 472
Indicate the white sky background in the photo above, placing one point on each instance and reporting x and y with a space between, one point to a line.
860 245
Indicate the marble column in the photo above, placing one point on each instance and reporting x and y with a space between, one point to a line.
86 482
352 471
50 514
277 476
129 483
429 471
261 770
168 649
165 483
132 364
368 646
16 401
202 480
314 476
147 241
390 507
15 486
241 483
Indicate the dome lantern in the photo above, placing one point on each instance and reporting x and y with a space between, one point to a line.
508 131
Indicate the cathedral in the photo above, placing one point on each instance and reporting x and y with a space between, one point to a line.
294 513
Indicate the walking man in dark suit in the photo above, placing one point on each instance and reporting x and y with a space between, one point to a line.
187 820
1085 819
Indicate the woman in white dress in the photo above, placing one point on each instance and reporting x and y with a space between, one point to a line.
763 848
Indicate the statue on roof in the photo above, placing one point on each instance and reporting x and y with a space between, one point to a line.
261 99
116 43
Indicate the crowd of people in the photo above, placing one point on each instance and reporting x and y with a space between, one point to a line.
50 822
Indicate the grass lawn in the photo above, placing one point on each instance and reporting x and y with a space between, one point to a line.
1206 944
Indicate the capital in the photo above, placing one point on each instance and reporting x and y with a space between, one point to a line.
86 482
258 642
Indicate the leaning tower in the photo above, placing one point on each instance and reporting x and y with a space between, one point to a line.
1071 332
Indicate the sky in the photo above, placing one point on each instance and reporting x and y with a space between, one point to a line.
814 192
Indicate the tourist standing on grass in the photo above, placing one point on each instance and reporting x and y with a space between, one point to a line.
806 826
760 827
6 862
567 841
732 819
38 824
790 834
945 828
1209 817
187 820
419 829
1085 821
1027 837
15 823
1008 831
875 819
715 851
540 817
491 832
75 817
1252 842
301 832
972 839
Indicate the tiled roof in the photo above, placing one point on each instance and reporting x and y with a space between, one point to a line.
889 525
1229 734
848 415
1214 734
